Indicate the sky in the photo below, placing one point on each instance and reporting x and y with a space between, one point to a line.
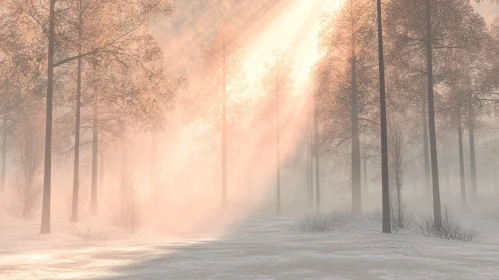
489 11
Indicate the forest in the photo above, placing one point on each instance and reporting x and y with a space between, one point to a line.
164 139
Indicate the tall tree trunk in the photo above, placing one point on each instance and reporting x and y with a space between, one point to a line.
365 184
310 184
446 166
278 173
101 174
95 149
427 176
356 188
471 129
224 121
461 162
437 212
4 149
47 171
495 179
76 167
154 168
238 150
317 166
386 228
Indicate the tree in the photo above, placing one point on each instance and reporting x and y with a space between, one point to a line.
277 83
46 20
399 157
384 137
349 33
28 156
222 108
431 29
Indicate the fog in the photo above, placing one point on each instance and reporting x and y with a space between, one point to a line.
243 140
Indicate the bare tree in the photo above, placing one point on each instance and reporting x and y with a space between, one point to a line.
28 152
277 83
347 45
384 134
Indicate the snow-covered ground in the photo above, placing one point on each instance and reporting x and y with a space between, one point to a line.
258 247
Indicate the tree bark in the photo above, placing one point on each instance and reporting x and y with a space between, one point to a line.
95 149
494 171
356 187
76 167
437 212
154 168
446 168
365 184
474 190
47 172
224 121
386 225
308 175
317 166
101 174
4 150
427 176
461 162
278 169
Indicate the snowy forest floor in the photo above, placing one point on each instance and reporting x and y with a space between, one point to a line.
257 247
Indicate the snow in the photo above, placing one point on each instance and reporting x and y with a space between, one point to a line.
257 247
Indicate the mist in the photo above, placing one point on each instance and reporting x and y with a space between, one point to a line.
249 139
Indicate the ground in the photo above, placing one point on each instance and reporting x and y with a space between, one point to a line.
258 247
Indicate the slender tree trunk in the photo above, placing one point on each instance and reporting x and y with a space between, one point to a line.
101 173
495 180
278 173
365 184
154 168
461 162
415 182
76 167
386 228
4 149
309 169
427 176
76 173
431 122
471 129
224 122
356 187
47 172
95 149
238 147
399 206
446 168
317 166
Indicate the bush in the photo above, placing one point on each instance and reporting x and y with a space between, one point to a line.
28 157
323 222
403 221
89 237
493 214
128 216
401 218
375 216
451 229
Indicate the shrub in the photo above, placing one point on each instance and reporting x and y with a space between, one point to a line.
402 218
493 214
323 222
451 228
28 156
89 237
399 220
